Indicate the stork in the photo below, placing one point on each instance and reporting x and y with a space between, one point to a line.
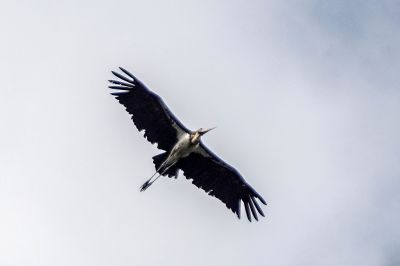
183 148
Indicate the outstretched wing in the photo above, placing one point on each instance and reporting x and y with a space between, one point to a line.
221 180
149 112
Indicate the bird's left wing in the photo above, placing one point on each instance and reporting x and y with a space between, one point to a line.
221 180
148 110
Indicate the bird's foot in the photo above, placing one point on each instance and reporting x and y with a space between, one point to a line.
145 185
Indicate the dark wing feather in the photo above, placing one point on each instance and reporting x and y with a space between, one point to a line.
148 111
221 180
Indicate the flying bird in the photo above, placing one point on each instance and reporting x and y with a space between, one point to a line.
183 148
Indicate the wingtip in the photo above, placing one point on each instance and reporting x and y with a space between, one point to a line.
253 210
122 77
127 73
124 85
238 209
118 93
262 200
246 205
258 208
113 87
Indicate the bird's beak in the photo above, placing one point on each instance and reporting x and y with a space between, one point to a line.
207 130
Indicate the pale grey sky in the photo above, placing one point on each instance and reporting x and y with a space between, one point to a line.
305 95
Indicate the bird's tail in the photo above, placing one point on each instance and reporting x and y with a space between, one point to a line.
159 160
160 164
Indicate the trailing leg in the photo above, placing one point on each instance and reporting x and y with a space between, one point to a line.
149 182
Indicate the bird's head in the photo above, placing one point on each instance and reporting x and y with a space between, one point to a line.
195 136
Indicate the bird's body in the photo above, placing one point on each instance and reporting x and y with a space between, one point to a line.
186 144
183 148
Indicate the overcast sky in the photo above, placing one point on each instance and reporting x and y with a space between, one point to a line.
305 95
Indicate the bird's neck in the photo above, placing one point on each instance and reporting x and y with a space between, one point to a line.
195 138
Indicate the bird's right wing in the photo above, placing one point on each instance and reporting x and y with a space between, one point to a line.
221 180
148 110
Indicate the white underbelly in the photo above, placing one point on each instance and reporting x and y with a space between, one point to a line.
183 148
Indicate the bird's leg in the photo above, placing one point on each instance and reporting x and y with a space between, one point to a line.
149 182
168 163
